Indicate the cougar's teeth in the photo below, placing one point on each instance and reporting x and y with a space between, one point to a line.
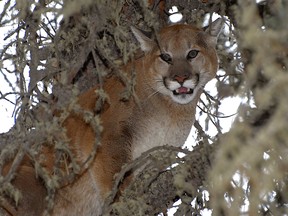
183 90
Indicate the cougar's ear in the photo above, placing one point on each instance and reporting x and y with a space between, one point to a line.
215 28
146 43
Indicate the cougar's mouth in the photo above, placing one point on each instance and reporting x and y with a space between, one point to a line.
183 91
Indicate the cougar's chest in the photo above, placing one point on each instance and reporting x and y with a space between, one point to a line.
159 131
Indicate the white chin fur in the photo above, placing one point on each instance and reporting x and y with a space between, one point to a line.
182 98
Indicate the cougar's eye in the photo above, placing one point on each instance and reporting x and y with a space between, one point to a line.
192 54
166 57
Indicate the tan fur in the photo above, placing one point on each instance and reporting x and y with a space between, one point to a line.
156 117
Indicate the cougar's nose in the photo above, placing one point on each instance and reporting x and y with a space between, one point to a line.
181 78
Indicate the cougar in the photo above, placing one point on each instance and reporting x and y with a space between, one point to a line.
170 78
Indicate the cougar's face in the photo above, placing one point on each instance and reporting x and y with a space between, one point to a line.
185 61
